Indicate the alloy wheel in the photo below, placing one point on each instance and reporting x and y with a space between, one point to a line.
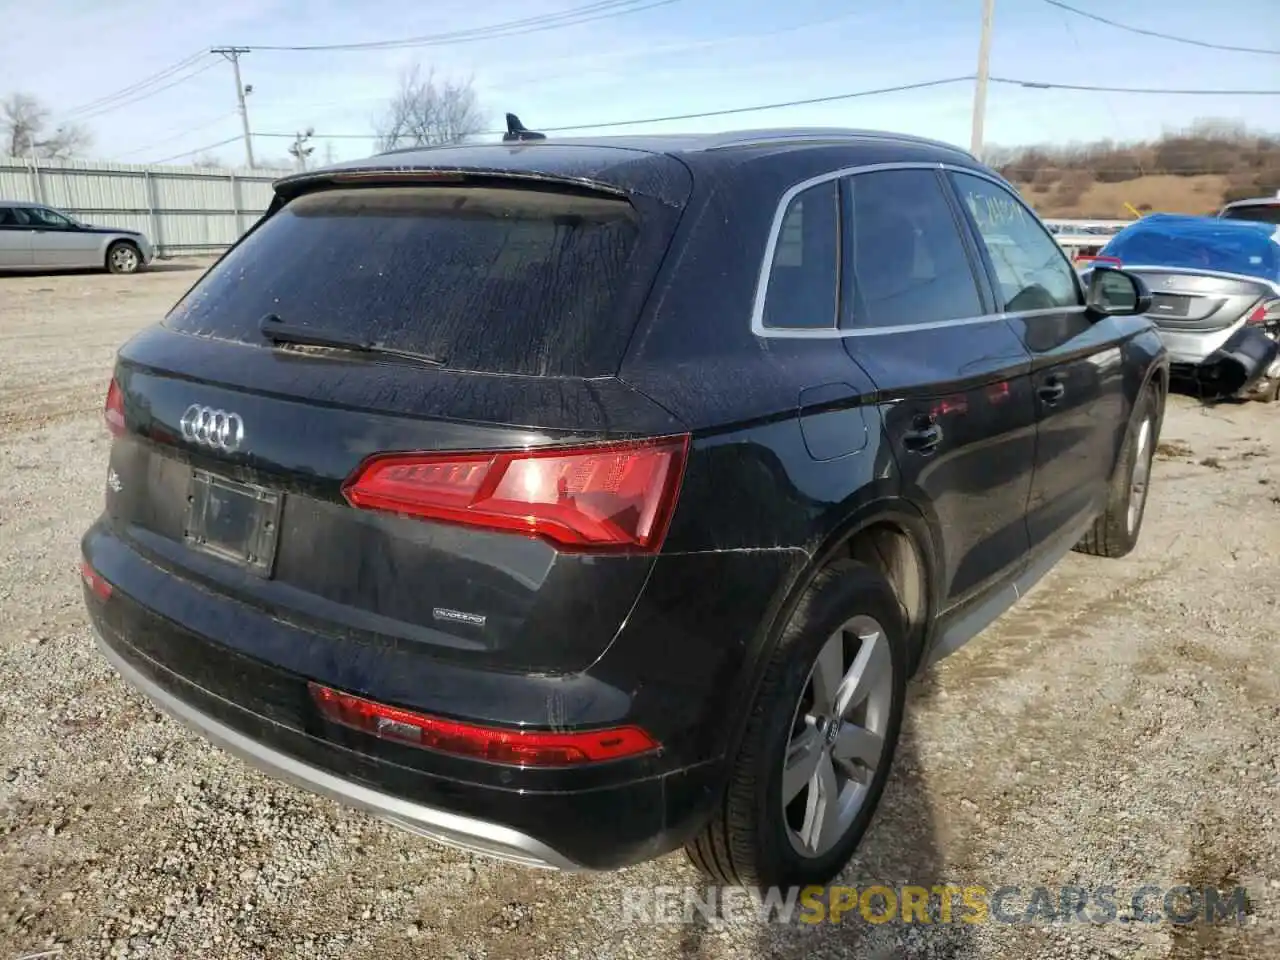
124 259
838 734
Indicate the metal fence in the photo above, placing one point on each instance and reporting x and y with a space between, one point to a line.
183 210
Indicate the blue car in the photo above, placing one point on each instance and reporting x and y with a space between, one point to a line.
1215 287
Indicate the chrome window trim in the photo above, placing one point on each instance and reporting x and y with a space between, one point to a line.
834 332
961 321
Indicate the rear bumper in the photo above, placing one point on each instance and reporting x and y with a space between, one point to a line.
238 675
1192 349
466 833
1234 366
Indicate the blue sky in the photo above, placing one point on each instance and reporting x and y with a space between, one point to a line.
679 57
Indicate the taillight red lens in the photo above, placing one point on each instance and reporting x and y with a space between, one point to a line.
93 580
1097 258
113 409
525 748
617 496
1265 313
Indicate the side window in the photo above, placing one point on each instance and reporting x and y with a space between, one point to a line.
41 217
1031 270
905 252
803 279
17 218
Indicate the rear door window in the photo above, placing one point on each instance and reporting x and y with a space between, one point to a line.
907 257
492 279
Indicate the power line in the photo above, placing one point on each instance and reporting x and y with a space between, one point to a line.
137 85
1032 84
1164 91
176 136
332 136
680 116
1158 35
600 10
148 93
209 146
762 106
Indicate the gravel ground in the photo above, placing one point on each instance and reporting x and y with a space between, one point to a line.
1118 727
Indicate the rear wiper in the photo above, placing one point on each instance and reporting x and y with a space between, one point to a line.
277 331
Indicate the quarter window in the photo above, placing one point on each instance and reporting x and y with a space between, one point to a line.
905 252
803 278
1032 272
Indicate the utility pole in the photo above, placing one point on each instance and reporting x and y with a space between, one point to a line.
980 87
233 54
299 149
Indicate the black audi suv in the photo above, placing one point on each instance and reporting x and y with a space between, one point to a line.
574 501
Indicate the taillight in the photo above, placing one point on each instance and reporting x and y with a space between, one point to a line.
93 580
525 748
617 496
1264 314
113 409
1096 258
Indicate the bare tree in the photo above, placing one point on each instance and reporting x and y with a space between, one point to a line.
24 124
207 161
428 112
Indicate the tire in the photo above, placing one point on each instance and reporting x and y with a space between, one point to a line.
123 257
752 838
1115 532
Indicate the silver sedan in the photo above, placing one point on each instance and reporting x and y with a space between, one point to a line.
36 237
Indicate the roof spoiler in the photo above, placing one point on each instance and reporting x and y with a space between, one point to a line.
517 132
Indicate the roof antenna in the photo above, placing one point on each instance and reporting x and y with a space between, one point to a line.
516 131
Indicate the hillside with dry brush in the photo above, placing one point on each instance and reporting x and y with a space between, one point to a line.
1195 171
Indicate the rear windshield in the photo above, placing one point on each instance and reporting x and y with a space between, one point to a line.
493 279
1260 212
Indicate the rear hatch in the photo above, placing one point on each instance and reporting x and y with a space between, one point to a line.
471 314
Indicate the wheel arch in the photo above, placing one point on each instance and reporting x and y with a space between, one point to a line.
875 533
1155 378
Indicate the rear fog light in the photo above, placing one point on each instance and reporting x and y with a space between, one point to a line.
93 580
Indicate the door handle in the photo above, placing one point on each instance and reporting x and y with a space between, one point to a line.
924 437
1052 391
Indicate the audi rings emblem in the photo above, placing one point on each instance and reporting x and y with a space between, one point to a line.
217 429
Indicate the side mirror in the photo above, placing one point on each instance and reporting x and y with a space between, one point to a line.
1114 293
